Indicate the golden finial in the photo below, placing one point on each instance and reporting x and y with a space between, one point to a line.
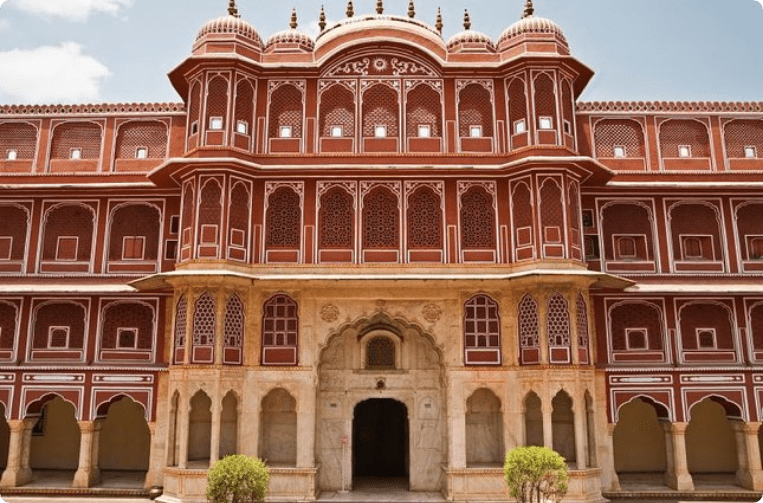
467 20
439 24
350 9
411 9
529 9
232 9
293 23
322 19
380 6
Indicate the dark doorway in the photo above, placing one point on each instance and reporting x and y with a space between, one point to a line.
380 439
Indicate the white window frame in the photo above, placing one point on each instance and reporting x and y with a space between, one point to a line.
475 132
58 248
122 330
545 123
520 126
51 329
216 124
623 151
138 153
629 331
424 131
682 149
242 127
75 153
12 154
700 347
619 256
750 149
142 247
336 128
286 132
701 256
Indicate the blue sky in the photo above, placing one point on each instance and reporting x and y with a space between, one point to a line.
84 51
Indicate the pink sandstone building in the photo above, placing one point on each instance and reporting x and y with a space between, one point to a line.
378 253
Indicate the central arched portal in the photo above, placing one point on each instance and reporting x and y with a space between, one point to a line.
380 439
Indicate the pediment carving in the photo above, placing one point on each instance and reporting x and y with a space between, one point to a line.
381 66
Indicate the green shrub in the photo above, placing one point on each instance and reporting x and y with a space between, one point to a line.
237 479
535 474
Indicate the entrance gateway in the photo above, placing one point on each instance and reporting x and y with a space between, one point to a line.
380 445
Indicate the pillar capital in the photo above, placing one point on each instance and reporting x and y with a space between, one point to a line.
89 426
748 428
675 428
611 428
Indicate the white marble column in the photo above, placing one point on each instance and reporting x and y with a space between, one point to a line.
749 473
214 440
153 475
608 464
183 414
543 328
457 422
548 426
17 471
306 427
88 473
581 437
677 475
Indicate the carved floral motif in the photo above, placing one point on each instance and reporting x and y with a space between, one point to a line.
431 312
329 313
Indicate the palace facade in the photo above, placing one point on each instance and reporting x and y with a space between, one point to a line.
382 254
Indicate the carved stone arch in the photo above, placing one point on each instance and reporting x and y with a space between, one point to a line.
733 409
664 411
731 320
151 134
92 146
362 63
625 131
151 240
101 409
23 139
657 308
34 408
115 303
703 144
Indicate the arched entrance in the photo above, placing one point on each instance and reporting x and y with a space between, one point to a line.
380 439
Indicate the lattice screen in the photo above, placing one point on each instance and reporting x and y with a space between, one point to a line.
337 109
234 323
738 134
636 315
694 219
283 219
210 208
551 210
82 135
625 219
381 108
706 315
380 353
149 134
14 224
567 102
194 113
135 220
756 326
528 323
381 220
60 314
558 321
280 322
286 110
8 325
677 132
69 220
749 223
423 107
574 213
239 212
521 204
517 101
217 97
181 317
482 325
477 220
127 315
20 137
582 321
189 203
245 103
623 132
545 98
475 108
424 219
337 220
204 321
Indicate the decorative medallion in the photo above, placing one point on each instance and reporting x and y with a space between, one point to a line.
431 312
329 313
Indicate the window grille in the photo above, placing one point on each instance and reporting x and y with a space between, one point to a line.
210 210
85 136
380 354
283 219
705 317
694 220
477 219
558 321
286 110
676 133
150 135
380 108
189 204
517 101
60 314
528 330
138 220
194 113
551 210
381 220
738 135
482 331
621 132
475 108
423 107
631 315
522 209
337 215
181 317
582 326
749 226
234 327
280 331
19 137
132 315
244 105
204 321
424 219
337 109
545 98
629 220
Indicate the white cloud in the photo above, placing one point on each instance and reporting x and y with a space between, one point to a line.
50 74
4 25
73 10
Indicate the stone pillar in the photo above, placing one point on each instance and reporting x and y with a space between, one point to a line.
457 421
749 473
88 473
153 475
581 437
608 464
677 475
17 471
214 440
306 427
548 426
184 409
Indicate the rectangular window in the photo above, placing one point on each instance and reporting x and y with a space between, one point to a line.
684 151
194 128
13 155
75 153
242 127
520 126
567 127
141 153
215 123
171 249
6 247
706 338
697 247
636 339
588 219
127 338
619 151
750 152
591 248
67 247
285 132
380 131
425 131
133 247
58 337
337 131
475 131
546 123
237 238
626 247
174 224
755 247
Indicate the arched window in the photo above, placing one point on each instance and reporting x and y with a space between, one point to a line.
68 233
529 345
524 225
636 327
181 317
482 331
204 322
187 225
337 112
568 114
582 324
423 115
9 325
750 232
14 223
552 218
283 220
217 104
696 235
477 219
20 138
336 220
706 328
286 114
518 111
558 326
194 110
627 233
574 218
76 140
135 231
424 218
59 330
238 222
233 331
127 331
619 138
280 331
744 139
381 220
756 329
546 118
684 138
210 218
380 354
142 140
244 114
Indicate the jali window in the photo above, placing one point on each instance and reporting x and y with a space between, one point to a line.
280 331
482 331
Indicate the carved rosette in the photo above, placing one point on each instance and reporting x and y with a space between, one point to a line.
431 312
329 313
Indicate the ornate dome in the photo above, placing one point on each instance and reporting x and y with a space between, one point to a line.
230 25
291 37
469 37
532 25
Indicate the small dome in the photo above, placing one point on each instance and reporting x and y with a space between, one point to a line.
470 37
291 37
532 25
230 25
